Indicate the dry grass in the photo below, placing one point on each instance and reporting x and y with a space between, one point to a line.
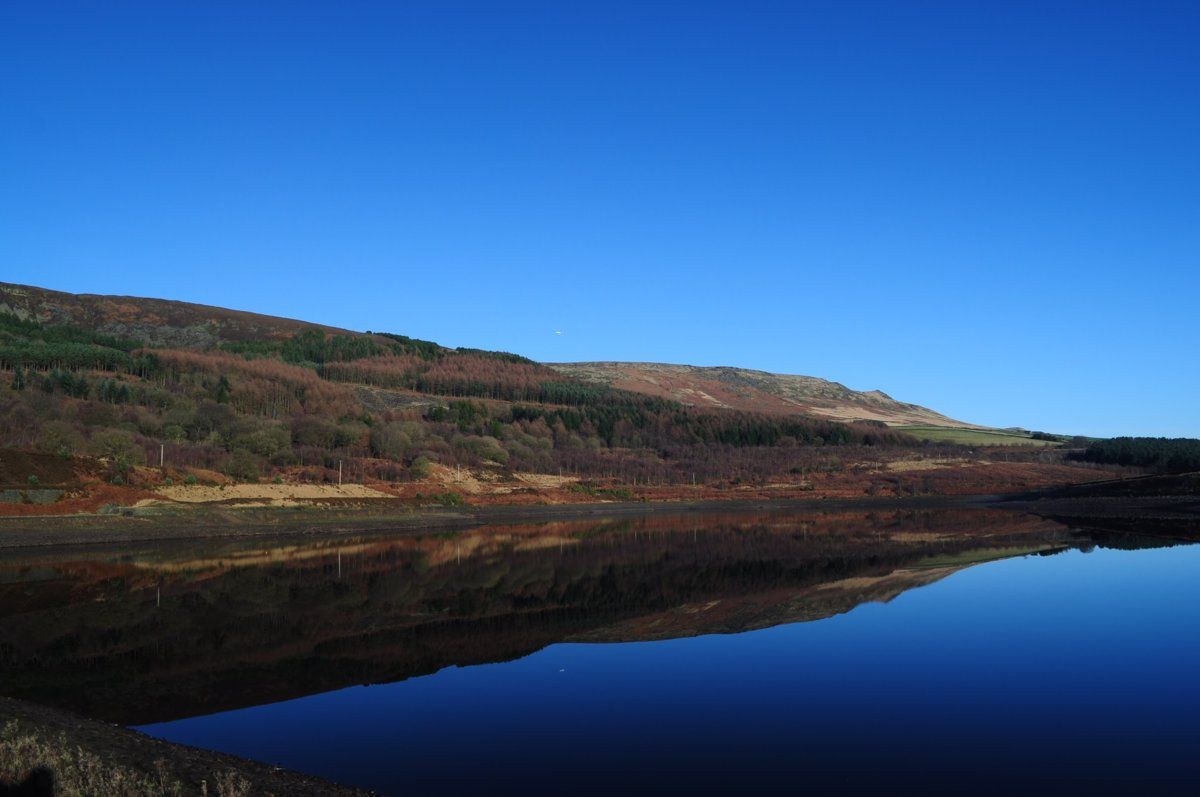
909 465
199 494
75 772
546 481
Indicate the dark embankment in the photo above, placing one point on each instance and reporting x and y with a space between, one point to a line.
1166 506
46 751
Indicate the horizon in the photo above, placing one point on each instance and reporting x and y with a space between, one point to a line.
996 217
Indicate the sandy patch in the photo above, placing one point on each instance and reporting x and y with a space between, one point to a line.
471 482
545 481
200 494
465 481
542 543
905 465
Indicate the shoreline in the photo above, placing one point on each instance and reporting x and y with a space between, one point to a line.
196 770
1179 512
211 523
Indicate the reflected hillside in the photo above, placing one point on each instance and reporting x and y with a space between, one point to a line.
145 634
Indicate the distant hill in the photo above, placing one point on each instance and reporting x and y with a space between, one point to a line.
175 324
132 382
160 322
757 391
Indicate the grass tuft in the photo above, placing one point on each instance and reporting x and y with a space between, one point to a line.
27 757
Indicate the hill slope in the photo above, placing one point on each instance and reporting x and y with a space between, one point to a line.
153 382
160 322
756 391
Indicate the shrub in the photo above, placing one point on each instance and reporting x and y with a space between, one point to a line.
310 431
244 465
352 433
449 499
486 448
390 441
174 432
60 437
265 442
118 446
420 467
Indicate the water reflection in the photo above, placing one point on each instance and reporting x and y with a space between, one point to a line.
148 634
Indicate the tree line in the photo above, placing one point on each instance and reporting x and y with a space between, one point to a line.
1163 454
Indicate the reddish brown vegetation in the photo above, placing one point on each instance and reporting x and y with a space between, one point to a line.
16 468
267 388
317 405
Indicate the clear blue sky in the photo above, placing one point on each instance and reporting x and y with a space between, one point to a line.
989 208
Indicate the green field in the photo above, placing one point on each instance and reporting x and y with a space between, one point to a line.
973 437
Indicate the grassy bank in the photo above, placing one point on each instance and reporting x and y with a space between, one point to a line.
47 751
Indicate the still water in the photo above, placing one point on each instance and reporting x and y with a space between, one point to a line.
964 651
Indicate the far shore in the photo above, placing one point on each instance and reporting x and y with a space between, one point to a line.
1168 502
197 523
1179 511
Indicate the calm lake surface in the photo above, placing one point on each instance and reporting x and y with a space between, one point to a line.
965 651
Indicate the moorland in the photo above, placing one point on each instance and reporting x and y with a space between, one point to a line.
120 405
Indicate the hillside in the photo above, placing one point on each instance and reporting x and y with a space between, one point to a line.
151 321
137 382
116 400
757 391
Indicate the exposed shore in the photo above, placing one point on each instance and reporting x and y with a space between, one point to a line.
216 522
1169 502
196 771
